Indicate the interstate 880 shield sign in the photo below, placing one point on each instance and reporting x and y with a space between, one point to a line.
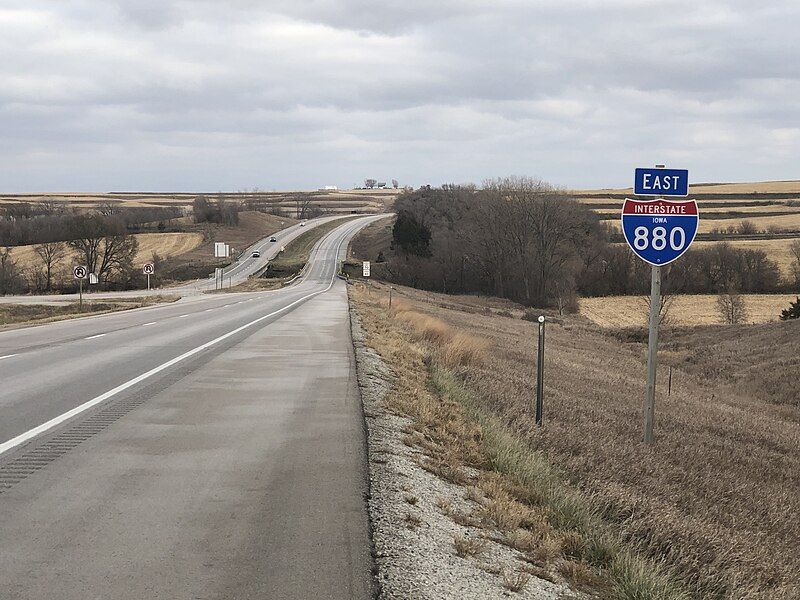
659 231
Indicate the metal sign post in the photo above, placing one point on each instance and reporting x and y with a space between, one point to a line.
80 272
540 374
652 354
658 231
148 269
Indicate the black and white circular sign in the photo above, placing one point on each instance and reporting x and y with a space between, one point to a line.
80 272
149 269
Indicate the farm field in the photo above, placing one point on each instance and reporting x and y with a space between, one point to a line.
783 223
166 245
778 250
721 207
366 201
789 187
686 310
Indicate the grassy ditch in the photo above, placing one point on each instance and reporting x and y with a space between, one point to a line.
15 315
561 531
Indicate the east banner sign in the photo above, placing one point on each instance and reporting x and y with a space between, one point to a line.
661 182
659 231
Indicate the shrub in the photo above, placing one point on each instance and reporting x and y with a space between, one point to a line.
793 312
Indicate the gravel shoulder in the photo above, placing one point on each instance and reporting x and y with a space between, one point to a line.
412 513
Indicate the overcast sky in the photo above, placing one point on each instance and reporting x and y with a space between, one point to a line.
210 95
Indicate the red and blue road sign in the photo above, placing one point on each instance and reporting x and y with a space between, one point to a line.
659 231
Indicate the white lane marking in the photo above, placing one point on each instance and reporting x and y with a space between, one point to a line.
182 316
150 323
208 310
9 356
54 422
94 337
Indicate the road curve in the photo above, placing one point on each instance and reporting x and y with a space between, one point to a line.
237 272
206 449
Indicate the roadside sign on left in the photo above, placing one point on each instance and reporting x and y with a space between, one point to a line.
80 273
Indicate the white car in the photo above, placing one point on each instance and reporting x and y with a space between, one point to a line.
256 254
302 223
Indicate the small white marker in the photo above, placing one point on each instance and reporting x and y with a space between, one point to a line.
150 323
182 316
93 337
9 356
208 310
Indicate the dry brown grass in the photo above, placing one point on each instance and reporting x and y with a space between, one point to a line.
519 493
514 580
714 498
454 349
17 315
686 310
468 546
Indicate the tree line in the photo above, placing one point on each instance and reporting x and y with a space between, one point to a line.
523 239
27 223
100 242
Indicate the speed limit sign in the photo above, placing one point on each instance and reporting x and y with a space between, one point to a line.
80 272
149 269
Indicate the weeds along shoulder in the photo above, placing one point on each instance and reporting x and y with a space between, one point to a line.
537 482
529 499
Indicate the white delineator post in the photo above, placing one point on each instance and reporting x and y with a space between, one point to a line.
652 354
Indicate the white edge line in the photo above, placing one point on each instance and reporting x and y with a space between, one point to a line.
31 433
150 323
93 337
9 356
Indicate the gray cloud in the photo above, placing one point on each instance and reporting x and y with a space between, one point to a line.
207 95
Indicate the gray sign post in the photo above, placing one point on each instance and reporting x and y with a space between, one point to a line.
540 374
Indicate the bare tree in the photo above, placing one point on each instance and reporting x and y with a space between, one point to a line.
794 248
9 273
395 183
108 209
731 305
370 183
104 246
51 254
301 205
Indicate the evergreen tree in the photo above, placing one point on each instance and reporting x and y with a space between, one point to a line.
793 312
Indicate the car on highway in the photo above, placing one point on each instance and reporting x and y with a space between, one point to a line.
273 239
256 254
302 223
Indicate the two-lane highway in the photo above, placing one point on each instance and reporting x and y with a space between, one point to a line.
189 450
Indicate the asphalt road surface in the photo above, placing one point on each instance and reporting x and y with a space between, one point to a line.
237 272
210 448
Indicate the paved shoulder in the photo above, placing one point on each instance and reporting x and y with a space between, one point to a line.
244 479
